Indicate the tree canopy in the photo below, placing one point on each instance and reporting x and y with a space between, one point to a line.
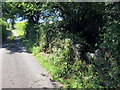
69 31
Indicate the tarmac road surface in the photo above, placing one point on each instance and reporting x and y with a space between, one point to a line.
21 70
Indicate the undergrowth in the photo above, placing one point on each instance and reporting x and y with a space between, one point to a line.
54 49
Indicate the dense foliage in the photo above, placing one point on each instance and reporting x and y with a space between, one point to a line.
3 25
68 33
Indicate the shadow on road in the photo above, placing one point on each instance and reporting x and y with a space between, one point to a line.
14 46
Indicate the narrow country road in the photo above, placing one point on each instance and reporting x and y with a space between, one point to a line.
21 70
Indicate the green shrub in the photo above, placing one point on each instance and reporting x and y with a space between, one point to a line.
111 62
62 62
35 50
111 39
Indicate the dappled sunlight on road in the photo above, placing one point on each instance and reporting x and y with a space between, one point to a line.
20 69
